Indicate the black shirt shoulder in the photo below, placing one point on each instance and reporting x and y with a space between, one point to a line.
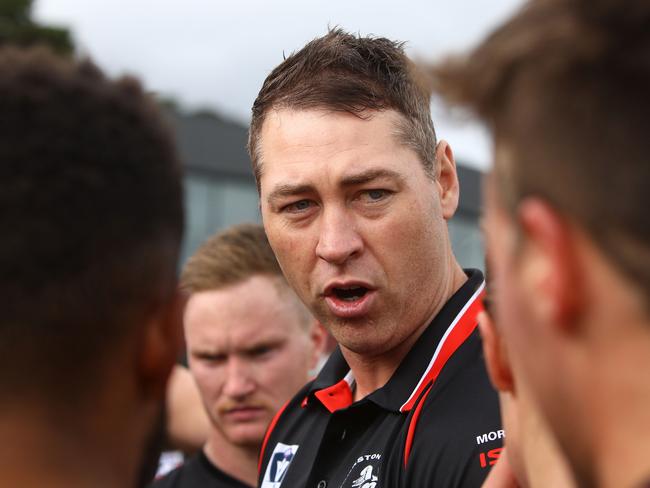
459 417
198 472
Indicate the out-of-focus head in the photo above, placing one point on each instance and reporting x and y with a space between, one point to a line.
344 73
563 87
91 198
251 342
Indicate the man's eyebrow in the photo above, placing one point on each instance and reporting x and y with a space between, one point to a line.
370 175
287 190
200 351
262 343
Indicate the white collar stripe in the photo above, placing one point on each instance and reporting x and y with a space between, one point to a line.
454 336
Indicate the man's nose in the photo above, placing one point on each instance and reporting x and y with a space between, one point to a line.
338 238
239 381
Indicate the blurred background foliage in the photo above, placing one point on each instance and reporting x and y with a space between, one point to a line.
18 28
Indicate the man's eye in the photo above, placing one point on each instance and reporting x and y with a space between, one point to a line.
375 195
212 358
261 351
299 206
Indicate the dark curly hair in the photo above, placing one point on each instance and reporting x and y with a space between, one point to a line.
91 217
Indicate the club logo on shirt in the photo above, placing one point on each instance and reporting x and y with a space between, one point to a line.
278 465
364 472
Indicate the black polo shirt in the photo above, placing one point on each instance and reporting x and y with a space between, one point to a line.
198 472
434 424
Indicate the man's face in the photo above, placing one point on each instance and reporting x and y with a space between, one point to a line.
249 351
355 222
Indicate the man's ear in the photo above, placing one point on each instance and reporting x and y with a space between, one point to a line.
496 357
160 346
447 179
550 266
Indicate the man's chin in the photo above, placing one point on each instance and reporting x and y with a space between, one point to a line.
246 434
246 439
360 342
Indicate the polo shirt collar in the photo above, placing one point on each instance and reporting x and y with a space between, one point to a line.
450 327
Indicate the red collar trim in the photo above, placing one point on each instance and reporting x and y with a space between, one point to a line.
459 330
337 396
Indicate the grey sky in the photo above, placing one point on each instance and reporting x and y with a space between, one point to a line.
217 54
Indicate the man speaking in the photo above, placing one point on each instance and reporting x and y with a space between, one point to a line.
355 196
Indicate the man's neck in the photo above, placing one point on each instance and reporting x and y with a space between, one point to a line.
373 372
240 462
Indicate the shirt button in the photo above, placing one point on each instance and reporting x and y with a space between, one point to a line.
322 484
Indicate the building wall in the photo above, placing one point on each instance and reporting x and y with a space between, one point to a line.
213 203
466 241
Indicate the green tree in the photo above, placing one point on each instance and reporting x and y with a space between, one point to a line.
17 27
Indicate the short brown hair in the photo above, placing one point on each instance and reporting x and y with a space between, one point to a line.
353 74
92 218
564 88
230 257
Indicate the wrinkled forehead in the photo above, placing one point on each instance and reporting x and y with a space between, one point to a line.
259 306
305 132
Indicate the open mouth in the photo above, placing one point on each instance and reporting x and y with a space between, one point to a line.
349 294
351 300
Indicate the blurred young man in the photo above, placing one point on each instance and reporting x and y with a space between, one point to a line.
355 196
90 191
564 87
251 344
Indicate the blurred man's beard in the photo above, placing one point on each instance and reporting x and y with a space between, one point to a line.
154 445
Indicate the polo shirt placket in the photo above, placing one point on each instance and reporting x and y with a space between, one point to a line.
435 422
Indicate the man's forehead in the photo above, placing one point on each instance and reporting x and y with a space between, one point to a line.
282 121
295 143
312 129
261 303
280 118
246 339
243 335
